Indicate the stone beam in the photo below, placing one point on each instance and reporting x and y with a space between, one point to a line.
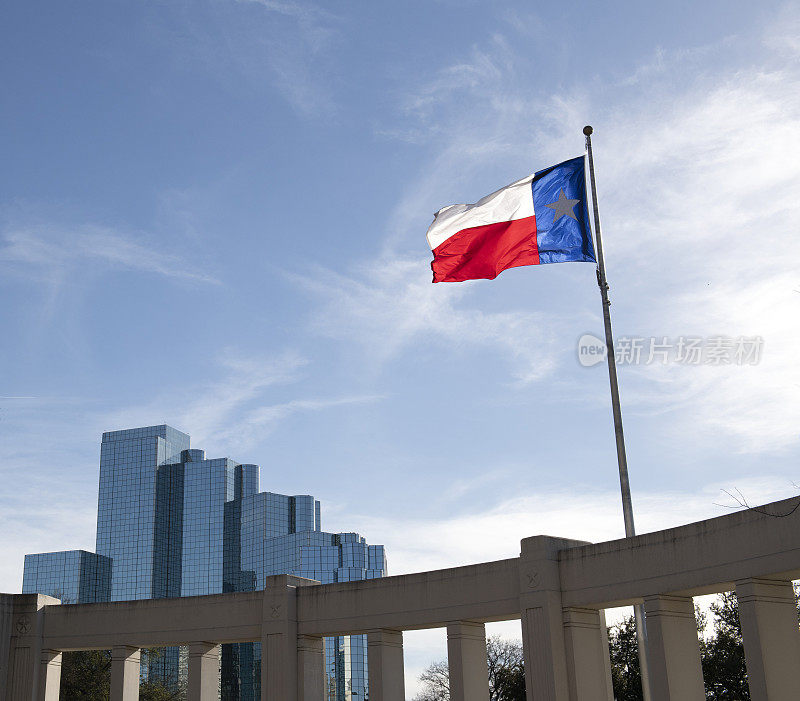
698 558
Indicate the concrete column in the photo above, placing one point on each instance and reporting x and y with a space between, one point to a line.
278 667
125 673
203 672
385 663
50 675
673 649
542 618
310 668
280 678
22 672
543 648
588 663
466 660
771 638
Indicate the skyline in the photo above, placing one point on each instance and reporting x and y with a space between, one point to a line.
213 215
172 523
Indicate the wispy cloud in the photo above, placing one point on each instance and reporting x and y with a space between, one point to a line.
474 151
415 545
57 249
295 46
697 182
706 183
261 421
234 412
205 409
301 11
665 61
418 544
40 511
389 306
30 524
43 510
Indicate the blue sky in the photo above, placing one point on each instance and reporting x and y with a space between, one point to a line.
213 214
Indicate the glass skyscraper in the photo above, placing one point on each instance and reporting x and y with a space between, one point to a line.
172 523
74 576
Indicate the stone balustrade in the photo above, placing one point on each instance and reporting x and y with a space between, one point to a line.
558 588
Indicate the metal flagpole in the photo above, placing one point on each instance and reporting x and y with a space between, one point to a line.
627 506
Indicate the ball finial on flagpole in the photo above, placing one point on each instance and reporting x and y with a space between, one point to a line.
588 130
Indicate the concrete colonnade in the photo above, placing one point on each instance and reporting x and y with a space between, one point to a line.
565 648
559 589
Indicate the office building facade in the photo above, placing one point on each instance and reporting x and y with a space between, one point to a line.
172 523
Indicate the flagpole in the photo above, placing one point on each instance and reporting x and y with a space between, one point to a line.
624 483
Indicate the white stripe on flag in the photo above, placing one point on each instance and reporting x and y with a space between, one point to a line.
511 202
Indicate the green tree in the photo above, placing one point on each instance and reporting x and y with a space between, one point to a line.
509 683
159 691
626 677
86 676
506 665
721 654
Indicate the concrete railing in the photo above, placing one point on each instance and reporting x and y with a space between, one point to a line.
558 588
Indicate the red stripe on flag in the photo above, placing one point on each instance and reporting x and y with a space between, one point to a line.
483 252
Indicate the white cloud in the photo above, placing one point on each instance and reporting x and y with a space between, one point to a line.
415 545
31 524
61 249
262 420
42 510
296 51
702 196
390 305
697 178
232 413
297 10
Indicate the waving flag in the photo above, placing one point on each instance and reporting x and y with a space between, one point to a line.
540 219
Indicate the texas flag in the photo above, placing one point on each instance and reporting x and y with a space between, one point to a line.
540 219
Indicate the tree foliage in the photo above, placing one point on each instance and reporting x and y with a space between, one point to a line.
721 654
506 669
435 680
506 674
86 676
626 676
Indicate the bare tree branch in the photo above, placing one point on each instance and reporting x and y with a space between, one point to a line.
741 502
